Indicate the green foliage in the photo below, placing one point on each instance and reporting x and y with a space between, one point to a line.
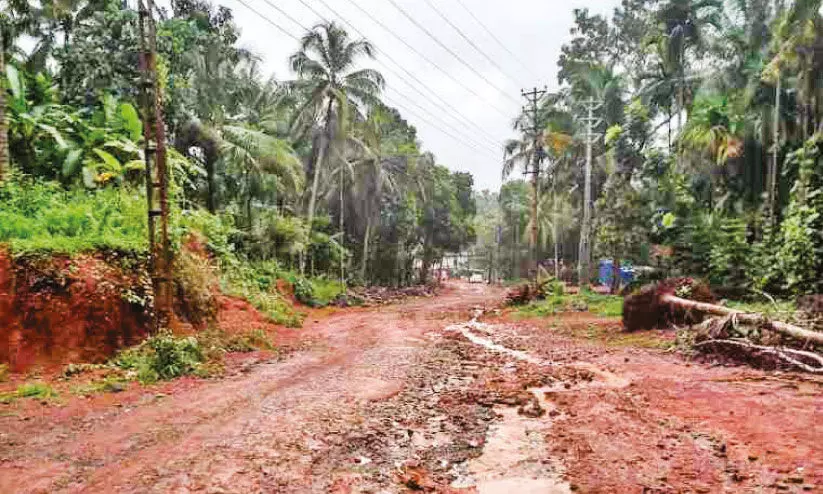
256 282
730 255
162 356
602 305
42 216
304 291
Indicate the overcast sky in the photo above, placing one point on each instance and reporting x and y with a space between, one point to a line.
533 30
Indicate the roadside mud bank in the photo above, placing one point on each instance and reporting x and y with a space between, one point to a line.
55 310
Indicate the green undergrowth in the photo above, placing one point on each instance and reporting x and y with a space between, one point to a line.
37 390
602 305
167 356
257 283
39 216
780 309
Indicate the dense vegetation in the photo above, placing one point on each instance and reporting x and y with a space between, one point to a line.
708 161
313 175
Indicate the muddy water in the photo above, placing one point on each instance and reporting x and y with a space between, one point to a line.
465 329
514 456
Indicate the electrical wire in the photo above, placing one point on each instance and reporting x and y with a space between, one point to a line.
462 139
468 40
281 29
443 131
496 39
455 55
462 118
424 57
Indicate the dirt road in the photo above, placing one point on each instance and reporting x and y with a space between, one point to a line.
420 396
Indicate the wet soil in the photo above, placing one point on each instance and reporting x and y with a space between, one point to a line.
425 395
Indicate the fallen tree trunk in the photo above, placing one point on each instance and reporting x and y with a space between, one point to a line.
791 330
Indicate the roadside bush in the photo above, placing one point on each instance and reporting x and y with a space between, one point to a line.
304 291
162 356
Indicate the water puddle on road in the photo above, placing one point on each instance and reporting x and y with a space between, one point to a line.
514 456
465 330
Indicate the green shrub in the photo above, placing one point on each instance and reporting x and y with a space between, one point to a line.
325 291
162 356
304 291
256 283
602 305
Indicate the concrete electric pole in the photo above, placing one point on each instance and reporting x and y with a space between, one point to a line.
584 252
533 97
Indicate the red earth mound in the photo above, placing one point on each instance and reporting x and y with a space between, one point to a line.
55 310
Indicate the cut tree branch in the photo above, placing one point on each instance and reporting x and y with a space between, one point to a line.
785 354
791 330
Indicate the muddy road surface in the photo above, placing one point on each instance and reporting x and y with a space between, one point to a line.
439 394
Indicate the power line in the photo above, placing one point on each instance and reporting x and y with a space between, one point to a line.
495 38
462 139
451 127
281 29
424 57
286 15
442 101
442 45
469 41
443 131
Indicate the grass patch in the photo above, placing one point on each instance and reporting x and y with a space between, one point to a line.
326 290
602 305
613 337
257 283
39 391
107 385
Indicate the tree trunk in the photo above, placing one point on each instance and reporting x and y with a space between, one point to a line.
4 127
772 195
321 154
555 234
342 231
364 261
815 337
211 203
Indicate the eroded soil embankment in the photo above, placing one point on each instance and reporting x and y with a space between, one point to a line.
55 310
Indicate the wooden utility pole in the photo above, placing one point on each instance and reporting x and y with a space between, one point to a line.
533 97
584 251
4 127
154 137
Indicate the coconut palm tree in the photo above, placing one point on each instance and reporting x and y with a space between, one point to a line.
326 65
